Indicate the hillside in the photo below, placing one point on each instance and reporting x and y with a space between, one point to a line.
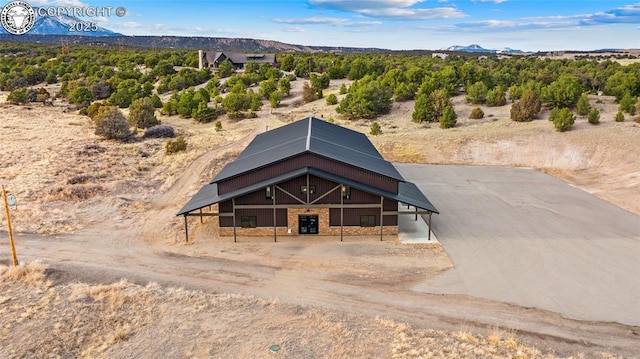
185 42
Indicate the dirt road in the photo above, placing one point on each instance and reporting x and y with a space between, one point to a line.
365 277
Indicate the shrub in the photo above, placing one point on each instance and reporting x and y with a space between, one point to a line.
142 113
156 101
594 116
448 118
159 131
218 126
562 119
19 97
526 109
308 93
375 128
204 113
343 89
175 146
496 97
275 98
43 95
476 113
111 124
101 90
476 93
583 107
627 104
81 96
332 99
95 108
619 116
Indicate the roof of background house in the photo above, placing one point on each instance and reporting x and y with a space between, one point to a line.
239 58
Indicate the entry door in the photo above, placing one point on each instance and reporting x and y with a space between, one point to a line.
308 224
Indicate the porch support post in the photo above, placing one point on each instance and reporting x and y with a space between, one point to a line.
341 212
381 217
201 216
275 230
308 189
429 235
186 229
415 219
233 203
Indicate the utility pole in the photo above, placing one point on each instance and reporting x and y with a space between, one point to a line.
13 246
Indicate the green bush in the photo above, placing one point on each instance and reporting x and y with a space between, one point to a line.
562 119
218 126
343 89
332 99
496 97
19 97
95 108
448 118
583 107
142 113
175 146
204 113
619 116
627 104
526 109
111 124
476 113
594 116
375 128
81 96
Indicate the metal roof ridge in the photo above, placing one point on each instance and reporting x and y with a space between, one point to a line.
308 146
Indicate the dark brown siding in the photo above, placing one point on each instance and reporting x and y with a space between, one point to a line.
263 216
352 215
308 160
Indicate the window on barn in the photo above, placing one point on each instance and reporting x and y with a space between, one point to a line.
368 220
268 192
248 221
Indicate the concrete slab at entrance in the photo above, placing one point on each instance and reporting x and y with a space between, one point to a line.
520 236
411 230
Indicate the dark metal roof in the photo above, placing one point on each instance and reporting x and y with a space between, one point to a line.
239 58
310 135
407 192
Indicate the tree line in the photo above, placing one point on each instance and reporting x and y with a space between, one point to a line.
120 78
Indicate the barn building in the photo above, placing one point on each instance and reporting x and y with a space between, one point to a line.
309 178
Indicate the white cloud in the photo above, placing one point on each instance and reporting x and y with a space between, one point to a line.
356 5
335 21
63 3
415 14
292 29
391 9
492 1
629 14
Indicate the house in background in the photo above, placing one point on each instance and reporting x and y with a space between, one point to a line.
211 59
309 178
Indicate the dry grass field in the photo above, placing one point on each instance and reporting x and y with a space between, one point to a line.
125 320
94 193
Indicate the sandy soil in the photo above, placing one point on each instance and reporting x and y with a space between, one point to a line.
106 211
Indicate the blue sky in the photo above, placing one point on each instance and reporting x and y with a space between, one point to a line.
392 24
